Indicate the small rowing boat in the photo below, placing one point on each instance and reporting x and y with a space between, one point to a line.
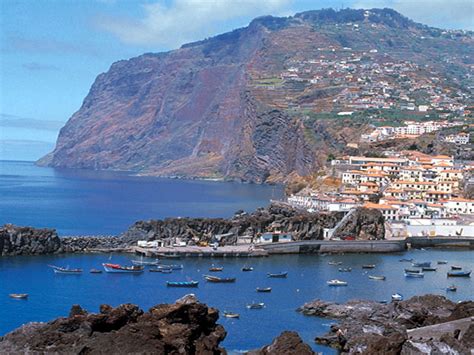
247 268
146 262
182 283
231 315
264 289
95 271
451 288
216 268
455 267
412 271
163 271
442 262
256 305
336 282
335 263
368 266
345 269
219 279
378 278
65 270
280 275
116 268
397 297
170 267
414 274
459 274
406 260
422 264
428 269
19 296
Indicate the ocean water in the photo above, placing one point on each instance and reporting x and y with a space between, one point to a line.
52 295
84 202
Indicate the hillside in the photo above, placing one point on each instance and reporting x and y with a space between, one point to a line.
261 103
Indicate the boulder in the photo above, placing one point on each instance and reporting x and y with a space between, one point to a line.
287 343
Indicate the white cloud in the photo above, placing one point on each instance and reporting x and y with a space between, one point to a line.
452 14
187 20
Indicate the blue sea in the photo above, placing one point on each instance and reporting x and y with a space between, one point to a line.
79 202
84 202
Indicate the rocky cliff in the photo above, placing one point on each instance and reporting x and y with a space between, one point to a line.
16 240
231 107
186 327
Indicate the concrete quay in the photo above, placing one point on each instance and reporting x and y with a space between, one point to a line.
204 252
441 242
435 332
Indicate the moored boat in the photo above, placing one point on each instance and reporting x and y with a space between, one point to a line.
182 283
280 275
170 267
397 297
414 274
95 271
428 268
406 260
455 267
231 315
116 268
412 271
219 279
451 288
256 305
170 256
422 264
19 296
459 274
378 278
146 262
247 268
345 269
65 270
264 289
336 282
335 263
216 268
442 262
368 266
163 271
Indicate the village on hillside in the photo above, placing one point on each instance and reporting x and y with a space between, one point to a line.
418 194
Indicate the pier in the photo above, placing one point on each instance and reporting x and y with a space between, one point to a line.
204 252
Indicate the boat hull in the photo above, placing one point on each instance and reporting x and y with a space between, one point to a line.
121 270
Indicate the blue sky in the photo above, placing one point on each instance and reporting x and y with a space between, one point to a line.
52 50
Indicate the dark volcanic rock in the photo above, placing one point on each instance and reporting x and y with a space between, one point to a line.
369 327
287 343
16 240
362 223
186 327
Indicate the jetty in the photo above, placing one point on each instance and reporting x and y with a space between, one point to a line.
204 252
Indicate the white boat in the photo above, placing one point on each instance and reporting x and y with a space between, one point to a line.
256 305
19 296
336 282
379 278
414 274
146 262
397 297
65 270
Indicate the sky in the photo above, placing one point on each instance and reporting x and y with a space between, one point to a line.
52 50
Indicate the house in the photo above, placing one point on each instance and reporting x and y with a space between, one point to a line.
274 237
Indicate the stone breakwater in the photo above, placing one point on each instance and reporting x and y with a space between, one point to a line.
369 327
186 327
363 225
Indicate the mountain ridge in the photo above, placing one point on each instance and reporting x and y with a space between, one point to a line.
222 108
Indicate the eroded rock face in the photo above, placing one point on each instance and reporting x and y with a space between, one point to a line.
363 223
369 327
287 343
16 240
186 327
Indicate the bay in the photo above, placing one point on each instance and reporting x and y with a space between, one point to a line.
84 202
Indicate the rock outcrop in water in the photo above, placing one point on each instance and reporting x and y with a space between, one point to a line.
369 327
303 225
16 240
287 343
186 327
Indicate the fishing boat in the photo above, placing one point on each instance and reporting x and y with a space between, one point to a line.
170 256
256 305
336 282
19 296
95 271
216 268
412 271
459 274
170 267
428 268
345 269
182 283
397 297
264 289
219 279
335 263
163 271
65 270
442 262
451 288
378 278
116 268
455 267
422 264
368 266
247 268
280 275
146 262
231 315
414 274
406 260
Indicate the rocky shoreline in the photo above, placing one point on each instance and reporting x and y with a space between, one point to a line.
363 224
369 327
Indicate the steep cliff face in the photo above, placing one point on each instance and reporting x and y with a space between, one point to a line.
222 108
16 240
